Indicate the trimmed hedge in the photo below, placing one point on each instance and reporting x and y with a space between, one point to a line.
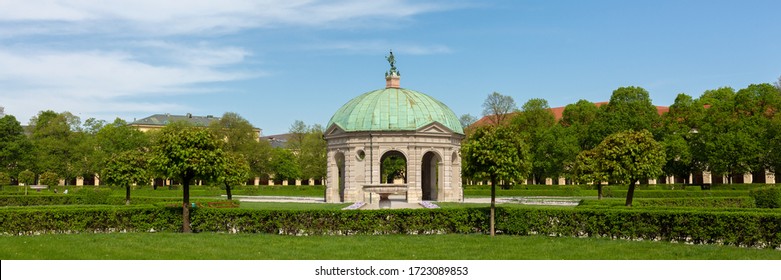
90 198
742 228
767 197
704 202
75 219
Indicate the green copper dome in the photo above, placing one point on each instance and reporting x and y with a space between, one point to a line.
394 109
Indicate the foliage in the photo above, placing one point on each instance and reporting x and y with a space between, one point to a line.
767 197
496 153
27 177
4 179
284 165
690 202
235 172
630 108
184 152
589 167
497 107
126 169
115 138
50 178
393 167
15 147
313 157
630 156
579 118
466 120
739 228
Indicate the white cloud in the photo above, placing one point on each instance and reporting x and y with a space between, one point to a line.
154 17
106 82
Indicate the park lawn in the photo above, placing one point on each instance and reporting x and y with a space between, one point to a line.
217 246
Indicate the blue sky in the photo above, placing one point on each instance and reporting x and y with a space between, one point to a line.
277 61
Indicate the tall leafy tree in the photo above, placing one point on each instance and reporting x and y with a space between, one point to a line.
15 147
630 108
495 153
534 124
284 165
579 118
239 139
58 146
630 156
184 152
126 169
298 131
313 156
554 150
497 107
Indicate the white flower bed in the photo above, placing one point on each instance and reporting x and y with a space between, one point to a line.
428 205
355 206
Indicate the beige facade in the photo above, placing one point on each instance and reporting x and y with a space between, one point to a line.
431 153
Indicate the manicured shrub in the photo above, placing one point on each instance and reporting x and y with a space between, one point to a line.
755 228
27 177
50 179
767 197
704 202
4 179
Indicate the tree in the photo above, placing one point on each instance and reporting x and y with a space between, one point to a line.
115 138
629 156
497 107
467 120
27 177
579 118
313 157
5 179
15 147
239 138
589 168
185 152
50 178
534 124
495 153
298 131
235 171
553 150
630 108
57 147
284 165
126 169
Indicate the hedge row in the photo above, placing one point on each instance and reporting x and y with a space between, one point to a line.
702 202
674 193
767 197
743 228
86 199
74 219
755 229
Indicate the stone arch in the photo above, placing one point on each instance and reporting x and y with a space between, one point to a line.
340 166
432 175
393 155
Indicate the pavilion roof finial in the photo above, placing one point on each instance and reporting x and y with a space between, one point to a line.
392 76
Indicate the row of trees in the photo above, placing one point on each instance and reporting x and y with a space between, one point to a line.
724 131
626 140
60 143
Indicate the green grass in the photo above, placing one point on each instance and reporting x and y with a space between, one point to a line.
215 246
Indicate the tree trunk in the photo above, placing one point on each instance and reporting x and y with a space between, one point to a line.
599 190
228 191
493 206
630 193
186 205
127 195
